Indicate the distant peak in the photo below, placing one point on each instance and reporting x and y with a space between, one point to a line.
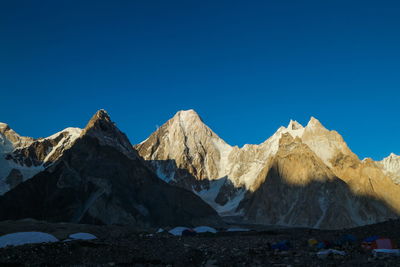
392 155
4 127
294 125
72 131
314 123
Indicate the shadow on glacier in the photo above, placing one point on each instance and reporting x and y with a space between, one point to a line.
326 204
220 193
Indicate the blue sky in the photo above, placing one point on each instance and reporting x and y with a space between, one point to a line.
247 67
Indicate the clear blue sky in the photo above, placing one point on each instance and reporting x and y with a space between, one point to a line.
247 67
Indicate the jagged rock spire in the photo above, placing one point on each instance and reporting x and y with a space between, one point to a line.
103 128
101 117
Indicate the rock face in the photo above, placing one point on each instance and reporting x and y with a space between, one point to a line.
191 144
188 154
100 179
23 157
313 195
300 176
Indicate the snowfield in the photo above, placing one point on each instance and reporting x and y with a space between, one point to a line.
22 238
82 236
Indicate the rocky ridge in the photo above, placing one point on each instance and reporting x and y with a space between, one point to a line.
23 157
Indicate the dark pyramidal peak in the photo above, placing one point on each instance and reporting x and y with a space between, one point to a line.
100 179
105 131
100 119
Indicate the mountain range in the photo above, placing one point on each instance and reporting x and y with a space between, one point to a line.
184 173
96 178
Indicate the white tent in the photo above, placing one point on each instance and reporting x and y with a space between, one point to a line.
22 238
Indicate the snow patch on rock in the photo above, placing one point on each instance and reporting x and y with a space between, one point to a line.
391 167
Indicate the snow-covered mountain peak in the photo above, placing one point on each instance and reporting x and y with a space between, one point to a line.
9 135
188 118
189 141
391 160
5 128
391 167
293 132
188 124
294 125
188 114
325 143
23 157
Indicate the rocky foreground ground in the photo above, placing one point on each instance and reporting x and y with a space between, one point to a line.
118 245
